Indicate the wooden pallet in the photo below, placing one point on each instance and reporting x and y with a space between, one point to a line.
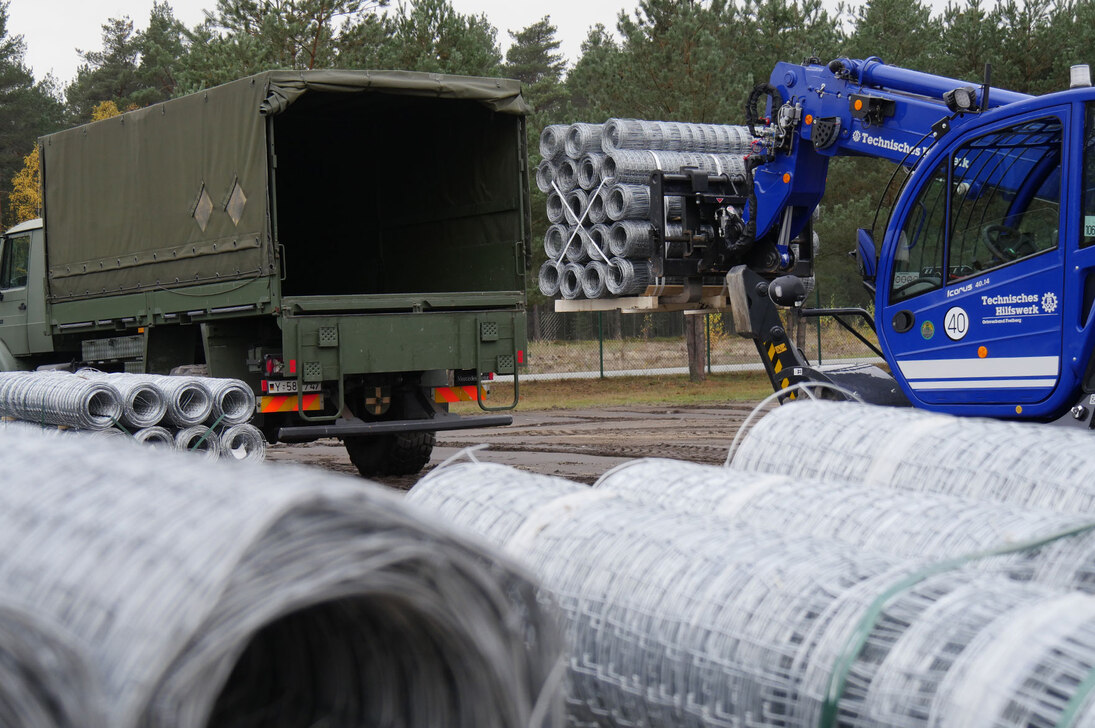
713 298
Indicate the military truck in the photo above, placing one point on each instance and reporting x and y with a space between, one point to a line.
351 243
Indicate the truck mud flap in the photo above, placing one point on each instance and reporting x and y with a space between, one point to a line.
356 428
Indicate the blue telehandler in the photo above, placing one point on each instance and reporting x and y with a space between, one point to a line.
984 276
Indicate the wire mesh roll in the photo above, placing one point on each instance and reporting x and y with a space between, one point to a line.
555 237
590 168
556 209
58 398
594 279
157 436
672 135
233 400
883 520
628 277
143 404
596 243
577 247
549 278
582 139
200 440
631 239
921 451
243 442
545 173
570 282
674 622
553 141
577 200
597 214
566 174
45 678
206 595
635 167
624 202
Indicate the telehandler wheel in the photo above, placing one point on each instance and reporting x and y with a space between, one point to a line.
402 453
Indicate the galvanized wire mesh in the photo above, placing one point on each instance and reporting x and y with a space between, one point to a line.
157 436
631 239
672 135
594 279
674 621
45 678
214 596
915 450
549 277
553 141
243 442
545 173
631 166
233 400
628 277
58 398
143 404
570 282
582 139
199 439
590 168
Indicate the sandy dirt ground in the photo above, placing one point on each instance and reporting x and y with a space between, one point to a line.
576 444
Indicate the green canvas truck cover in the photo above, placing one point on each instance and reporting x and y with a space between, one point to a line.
177 193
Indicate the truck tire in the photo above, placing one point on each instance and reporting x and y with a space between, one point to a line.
403 453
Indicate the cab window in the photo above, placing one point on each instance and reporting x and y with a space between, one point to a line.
1006 197
1087 226
13 262
918 257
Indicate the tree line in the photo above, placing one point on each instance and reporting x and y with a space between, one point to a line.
683 60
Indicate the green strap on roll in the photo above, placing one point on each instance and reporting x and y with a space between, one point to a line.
838 679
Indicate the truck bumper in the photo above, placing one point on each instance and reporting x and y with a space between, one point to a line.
358 428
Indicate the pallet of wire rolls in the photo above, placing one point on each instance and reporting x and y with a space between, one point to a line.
601 243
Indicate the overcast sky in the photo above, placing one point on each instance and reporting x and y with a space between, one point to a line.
54 29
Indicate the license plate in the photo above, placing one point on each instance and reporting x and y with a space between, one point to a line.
289 386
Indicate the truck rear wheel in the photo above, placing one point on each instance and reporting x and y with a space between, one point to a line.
402 453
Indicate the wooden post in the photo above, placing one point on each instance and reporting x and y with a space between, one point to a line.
693 337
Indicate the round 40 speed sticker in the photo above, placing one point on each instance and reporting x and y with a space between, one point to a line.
956 323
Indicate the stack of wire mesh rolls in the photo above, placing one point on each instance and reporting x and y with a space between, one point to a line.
595 176
707 596
171 591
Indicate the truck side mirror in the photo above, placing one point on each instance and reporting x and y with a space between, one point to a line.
865 255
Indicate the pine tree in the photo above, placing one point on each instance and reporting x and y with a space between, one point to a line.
106 74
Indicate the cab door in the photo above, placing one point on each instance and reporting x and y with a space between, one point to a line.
14 263
972 315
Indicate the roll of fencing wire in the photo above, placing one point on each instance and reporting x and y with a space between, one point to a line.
243 442
566 174
628 277
556 208
545 173
582 139
157 436
675 136
210 596
143 404
570 282
577 201
555 238
577 247
596 243
590 170
233 400
674 621
59 398
594 279
883 520
597 214
553 141
921 451
626 202
45 677
635 167
631 239
550 276
200 440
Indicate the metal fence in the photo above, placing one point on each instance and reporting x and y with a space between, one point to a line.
611 343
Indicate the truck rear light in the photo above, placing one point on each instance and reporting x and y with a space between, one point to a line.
265 386
520 356
273 365
489 376
292 366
